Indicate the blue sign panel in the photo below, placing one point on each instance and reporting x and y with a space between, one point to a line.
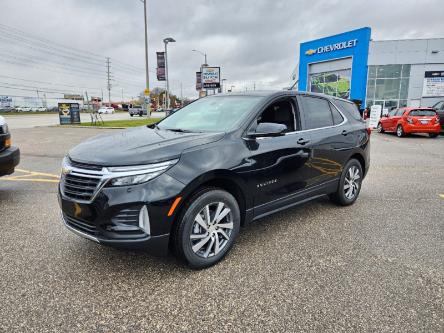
353 44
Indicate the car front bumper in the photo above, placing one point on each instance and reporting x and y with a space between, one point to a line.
129 217
9 159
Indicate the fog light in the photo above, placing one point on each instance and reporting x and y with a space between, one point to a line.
144 220
8 143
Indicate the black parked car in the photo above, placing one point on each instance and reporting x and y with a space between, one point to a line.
9 155
439 107
191 181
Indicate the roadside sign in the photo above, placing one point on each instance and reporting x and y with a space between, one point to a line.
375 115
146 92
69 113
211 77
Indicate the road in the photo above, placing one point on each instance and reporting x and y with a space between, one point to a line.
375 266
30 121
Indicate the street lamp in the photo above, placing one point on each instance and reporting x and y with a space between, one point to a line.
167 95
204 54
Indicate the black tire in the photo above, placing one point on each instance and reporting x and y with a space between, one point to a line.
380 128
340 197
140 114
433 135
400 131
186 227
131 114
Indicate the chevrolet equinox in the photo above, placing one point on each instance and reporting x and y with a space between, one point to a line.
189 182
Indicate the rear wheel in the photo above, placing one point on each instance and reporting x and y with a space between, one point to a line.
349 184
140 114
400 131
208 228
433 135
131 114
380 128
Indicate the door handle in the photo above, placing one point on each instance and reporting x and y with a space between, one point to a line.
344 133
302 141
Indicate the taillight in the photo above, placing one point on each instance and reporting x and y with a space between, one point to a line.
410 120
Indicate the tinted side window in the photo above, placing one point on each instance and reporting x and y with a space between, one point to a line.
392 113
337 117
316 112
349 107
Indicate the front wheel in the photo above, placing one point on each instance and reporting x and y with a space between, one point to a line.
400 131
208 228
349 184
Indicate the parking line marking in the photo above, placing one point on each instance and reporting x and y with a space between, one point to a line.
27 176
38 173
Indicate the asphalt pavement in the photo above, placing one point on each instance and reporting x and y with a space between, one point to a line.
375 266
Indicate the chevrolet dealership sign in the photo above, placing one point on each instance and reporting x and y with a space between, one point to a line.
332 47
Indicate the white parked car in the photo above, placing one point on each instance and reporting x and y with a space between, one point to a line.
24 109
106 109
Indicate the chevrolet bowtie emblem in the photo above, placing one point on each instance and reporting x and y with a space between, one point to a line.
310 52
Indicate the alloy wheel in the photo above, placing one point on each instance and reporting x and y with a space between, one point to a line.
352 182
379 128
211 229
399 131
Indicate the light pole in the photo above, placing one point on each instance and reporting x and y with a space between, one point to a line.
146 54
223 85
205 56
231 89
167 94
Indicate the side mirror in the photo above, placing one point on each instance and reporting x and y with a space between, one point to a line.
268 130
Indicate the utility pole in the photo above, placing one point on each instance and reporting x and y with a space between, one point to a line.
122 95
181 93
108 76
254 85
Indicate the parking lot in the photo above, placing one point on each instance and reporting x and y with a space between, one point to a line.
375 266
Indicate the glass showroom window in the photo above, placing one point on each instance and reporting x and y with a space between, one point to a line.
388 85
335 83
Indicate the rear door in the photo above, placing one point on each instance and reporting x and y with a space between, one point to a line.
331 138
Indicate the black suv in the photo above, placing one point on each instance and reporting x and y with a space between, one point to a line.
9 156
190 181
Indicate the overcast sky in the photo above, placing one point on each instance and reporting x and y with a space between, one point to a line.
254 41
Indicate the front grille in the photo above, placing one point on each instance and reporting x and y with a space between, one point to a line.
80 187
81 225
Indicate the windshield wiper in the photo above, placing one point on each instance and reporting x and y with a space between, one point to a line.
180 130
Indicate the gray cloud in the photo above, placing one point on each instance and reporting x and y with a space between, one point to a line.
252 40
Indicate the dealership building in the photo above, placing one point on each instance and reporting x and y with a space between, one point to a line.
391 73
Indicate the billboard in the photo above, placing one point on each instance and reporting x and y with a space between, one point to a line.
160 66
73 96
433 84
198 81
211 77
5 102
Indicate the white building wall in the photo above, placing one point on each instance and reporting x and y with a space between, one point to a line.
423 54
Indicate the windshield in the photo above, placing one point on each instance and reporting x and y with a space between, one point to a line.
211 114
422 113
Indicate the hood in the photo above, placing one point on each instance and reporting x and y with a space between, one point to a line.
139 145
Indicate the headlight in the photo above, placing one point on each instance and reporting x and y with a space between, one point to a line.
124 176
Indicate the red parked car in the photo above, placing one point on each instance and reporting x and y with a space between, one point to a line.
404 121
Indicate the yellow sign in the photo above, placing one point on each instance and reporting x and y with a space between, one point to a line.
146 92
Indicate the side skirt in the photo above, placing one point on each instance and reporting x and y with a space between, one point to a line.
292 200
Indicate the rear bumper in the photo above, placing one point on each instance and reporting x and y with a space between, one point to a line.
9 159
436 128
